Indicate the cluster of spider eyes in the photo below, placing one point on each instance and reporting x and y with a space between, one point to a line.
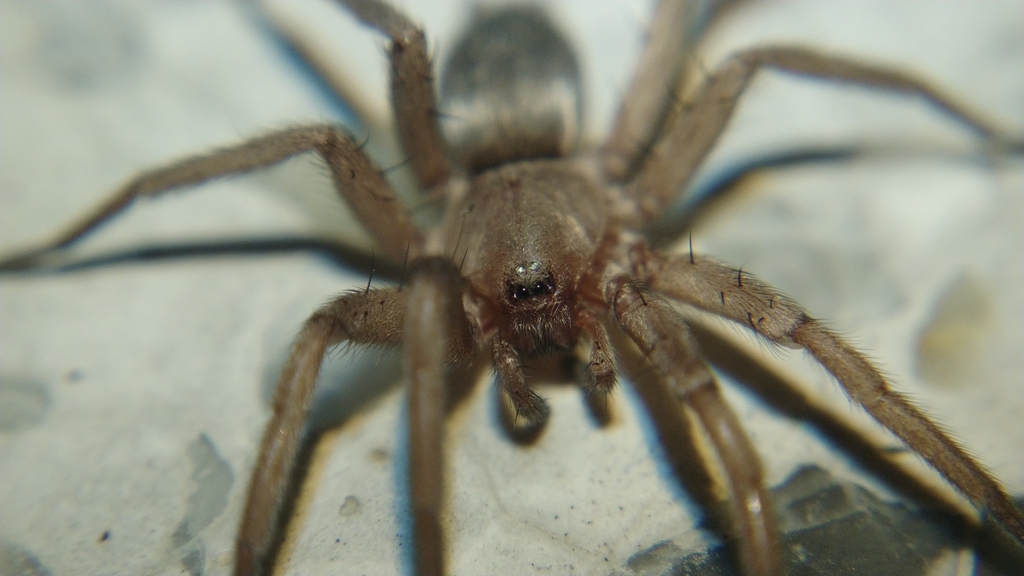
518 291
538 288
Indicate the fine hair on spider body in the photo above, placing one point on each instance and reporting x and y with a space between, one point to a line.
545 248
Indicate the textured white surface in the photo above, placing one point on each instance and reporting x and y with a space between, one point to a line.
117 371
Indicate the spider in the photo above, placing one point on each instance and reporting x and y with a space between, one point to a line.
533 291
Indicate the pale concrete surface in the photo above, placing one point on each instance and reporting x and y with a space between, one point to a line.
132 396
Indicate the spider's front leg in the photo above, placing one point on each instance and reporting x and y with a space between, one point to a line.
666 341
430 319
720 290
437 333
366 317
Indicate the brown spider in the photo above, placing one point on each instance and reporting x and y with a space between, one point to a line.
603 270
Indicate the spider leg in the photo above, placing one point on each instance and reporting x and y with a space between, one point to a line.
412 90
436 332
601 367
735 295
528 404
356 178
642 113
368 317
376 317
666 341
687 142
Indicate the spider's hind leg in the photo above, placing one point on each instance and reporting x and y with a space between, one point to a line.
686 142
412 90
